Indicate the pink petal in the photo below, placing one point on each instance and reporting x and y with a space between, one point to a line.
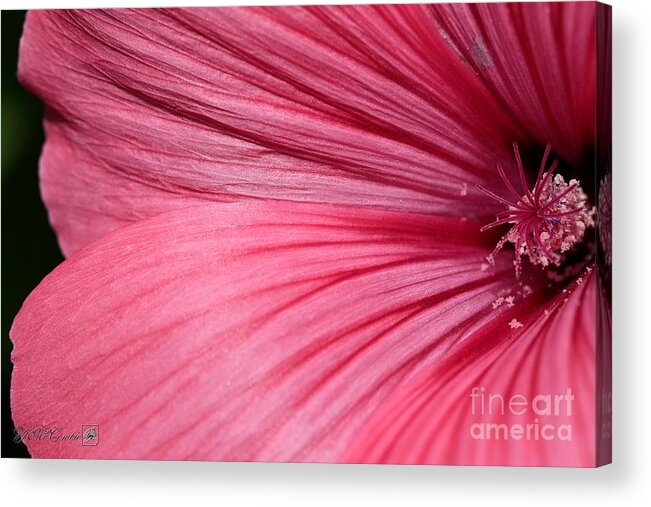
430 419
87 199
244 331
350 105
537 59
604 375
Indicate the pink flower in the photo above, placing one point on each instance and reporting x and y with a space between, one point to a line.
273 216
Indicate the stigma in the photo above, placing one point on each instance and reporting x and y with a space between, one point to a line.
546 221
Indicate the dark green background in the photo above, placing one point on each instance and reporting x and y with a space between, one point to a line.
29 247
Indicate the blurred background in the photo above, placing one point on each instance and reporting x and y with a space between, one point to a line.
29 247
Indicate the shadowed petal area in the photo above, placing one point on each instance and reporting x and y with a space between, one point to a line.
538 59
350 105
604 376
245 331
432 419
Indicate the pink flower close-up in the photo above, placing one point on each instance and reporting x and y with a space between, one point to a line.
324 233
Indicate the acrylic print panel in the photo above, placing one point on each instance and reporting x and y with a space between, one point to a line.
370 234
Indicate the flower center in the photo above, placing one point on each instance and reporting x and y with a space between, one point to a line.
547 220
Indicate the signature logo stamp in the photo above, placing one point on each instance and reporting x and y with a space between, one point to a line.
89 434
